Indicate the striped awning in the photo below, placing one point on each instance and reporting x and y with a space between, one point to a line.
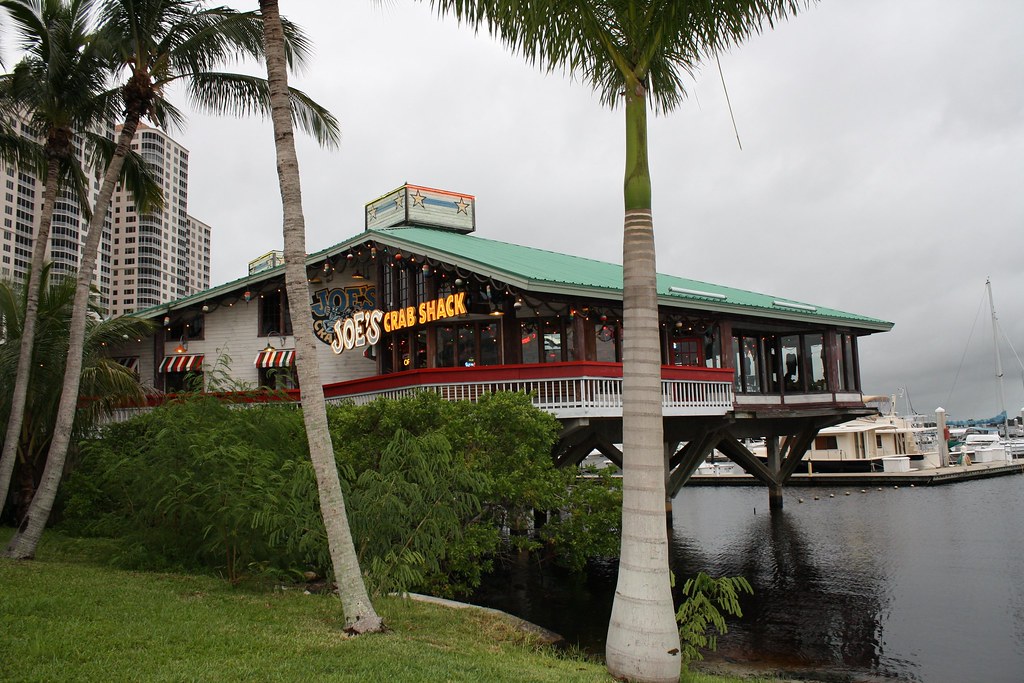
275 359
130 362
182 363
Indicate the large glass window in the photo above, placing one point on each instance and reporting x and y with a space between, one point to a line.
554 348
468 345
749 364
814 353
607 342
792 376
530 340
848 375
490 344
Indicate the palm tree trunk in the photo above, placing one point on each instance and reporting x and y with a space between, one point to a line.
28 332
359 612
643 639
23 544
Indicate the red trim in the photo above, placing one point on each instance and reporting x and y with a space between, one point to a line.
448 193
507 373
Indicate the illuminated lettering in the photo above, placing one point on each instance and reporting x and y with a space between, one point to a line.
460 303
362 328
373 329
359 322
336 344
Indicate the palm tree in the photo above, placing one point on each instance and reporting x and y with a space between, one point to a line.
360 616
634 52
56 87
105 383
156 43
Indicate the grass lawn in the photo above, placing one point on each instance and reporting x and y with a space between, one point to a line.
67 617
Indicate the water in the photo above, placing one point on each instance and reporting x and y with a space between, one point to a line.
908 584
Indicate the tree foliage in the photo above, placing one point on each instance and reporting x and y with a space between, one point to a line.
432 490
700 615
105 383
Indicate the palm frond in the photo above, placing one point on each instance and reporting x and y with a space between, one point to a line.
136 175
611 43
244 95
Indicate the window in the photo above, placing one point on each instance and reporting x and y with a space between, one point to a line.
274 314
685 350
849 377
607 347
279 378
468 344
826 443
814 354
185 326
791 355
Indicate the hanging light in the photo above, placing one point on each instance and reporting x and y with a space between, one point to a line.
247 296
182 346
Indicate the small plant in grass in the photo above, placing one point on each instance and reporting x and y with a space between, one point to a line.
700 616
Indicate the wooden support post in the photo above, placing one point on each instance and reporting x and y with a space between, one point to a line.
774 465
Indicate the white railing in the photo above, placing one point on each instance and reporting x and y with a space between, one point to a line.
576 396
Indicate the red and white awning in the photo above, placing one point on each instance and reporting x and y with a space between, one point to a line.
130 362
182 363
275 359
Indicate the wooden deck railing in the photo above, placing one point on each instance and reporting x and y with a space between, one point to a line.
566 390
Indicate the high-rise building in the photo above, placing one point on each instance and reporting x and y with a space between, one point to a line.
21 202
144 259
164 255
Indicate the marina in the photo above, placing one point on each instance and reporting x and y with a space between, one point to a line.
916 584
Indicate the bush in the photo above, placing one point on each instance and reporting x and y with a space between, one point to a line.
432 490
700 615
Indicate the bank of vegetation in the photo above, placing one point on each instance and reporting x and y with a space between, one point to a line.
436 491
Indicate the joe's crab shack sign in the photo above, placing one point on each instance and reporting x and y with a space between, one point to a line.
364 328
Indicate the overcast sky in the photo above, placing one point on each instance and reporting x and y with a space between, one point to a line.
882 168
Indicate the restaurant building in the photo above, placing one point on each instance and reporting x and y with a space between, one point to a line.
416 301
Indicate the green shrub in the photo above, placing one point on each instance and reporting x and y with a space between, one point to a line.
700 615
434 490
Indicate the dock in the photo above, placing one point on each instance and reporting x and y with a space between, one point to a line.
923 477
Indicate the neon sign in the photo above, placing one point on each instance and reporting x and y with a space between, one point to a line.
328 306
364 327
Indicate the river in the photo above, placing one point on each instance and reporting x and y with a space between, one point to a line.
907 584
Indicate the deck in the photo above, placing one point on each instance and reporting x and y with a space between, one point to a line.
566 390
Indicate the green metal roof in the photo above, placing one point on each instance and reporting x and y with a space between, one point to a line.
540 270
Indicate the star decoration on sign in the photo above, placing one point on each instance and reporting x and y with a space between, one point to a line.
462 206
399 201
371 212
417 199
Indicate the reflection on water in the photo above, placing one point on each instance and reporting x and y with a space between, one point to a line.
909 584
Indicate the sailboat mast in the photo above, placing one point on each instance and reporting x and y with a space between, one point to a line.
999 362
